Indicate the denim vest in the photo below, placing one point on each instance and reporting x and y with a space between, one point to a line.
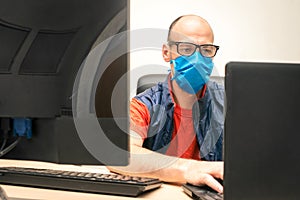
207 115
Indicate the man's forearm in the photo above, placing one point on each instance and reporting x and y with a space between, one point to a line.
144 162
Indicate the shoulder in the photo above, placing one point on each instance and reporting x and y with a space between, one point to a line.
216 83
216 90
154 94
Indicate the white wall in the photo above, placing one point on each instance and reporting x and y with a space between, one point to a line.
246 30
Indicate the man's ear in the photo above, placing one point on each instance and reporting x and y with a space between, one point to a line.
166 53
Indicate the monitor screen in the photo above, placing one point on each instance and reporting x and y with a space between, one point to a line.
63 81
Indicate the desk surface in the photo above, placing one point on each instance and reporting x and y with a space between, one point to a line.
166 191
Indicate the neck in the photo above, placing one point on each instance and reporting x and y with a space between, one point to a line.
184 99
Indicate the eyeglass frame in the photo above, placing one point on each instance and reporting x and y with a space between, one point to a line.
197 47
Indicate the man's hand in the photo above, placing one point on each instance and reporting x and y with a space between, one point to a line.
205 173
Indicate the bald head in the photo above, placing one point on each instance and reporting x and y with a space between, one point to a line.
190 26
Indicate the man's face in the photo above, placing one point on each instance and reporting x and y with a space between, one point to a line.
188 29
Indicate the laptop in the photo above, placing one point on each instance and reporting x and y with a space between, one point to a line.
262 132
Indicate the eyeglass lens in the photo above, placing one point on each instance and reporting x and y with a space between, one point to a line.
188 49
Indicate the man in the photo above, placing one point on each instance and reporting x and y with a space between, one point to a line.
177 126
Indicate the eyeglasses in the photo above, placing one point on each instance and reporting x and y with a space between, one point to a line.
188 49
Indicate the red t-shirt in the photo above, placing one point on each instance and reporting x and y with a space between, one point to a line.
184 142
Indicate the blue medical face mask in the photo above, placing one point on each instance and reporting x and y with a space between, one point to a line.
191 73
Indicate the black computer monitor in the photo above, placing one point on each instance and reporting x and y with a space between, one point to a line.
261 131
62 65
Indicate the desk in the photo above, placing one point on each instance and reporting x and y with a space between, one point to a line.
165 192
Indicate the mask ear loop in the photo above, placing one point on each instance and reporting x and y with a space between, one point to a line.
171 72
171 62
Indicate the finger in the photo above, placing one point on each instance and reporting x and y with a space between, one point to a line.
214 184
218 171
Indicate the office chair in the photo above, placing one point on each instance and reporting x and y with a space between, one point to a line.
149 80
218 79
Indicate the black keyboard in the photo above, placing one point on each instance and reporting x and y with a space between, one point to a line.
114 184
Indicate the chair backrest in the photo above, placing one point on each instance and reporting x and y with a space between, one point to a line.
218 79
149 80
